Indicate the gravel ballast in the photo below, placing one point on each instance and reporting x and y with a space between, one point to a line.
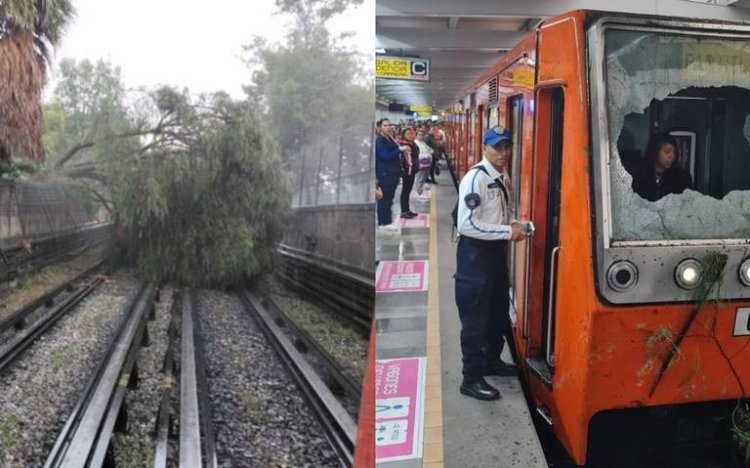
342 342
259 417
38 392
135 447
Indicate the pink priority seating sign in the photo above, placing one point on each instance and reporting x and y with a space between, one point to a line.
393 276
421 221
399 408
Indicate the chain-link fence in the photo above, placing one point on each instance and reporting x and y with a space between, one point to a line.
336 171
34 211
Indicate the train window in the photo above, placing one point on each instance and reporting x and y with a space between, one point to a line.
516 123
694 88
472 131
516 128
492 121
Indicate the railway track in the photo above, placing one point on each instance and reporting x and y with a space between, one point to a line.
86 437
348 293
337 424
307 344
197 444
60 301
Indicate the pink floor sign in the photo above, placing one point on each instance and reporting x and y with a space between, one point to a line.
421 221
399 412
394 276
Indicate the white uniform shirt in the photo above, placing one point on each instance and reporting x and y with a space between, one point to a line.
491 219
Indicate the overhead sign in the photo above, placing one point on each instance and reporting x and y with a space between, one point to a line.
402 68
421 109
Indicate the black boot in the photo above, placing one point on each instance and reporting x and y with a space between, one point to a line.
479 389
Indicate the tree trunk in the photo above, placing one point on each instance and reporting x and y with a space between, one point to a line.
22 76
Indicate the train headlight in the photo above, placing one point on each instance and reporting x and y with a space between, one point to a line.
622 276
688 273
745 272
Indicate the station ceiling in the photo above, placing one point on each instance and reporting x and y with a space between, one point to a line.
462 38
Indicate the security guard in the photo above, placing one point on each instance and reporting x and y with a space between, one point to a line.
482 289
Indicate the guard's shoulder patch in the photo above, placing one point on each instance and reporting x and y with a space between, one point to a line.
472 200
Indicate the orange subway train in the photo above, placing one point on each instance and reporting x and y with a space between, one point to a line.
632 310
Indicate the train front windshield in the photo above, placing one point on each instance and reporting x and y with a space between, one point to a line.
695 89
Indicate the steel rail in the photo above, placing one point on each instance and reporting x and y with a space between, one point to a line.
347 383
17 318
353 274
355 316
357 295
334 304
195 408
86 436
360 289
338 426
164 415
23 339
350 298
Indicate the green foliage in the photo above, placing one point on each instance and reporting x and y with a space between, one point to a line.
87 109
317 10
47 20
206 203
53 133
741 424
713 276
12 169
309 86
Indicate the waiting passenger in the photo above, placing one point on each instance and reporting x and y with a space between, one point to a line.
410 166
425 163
659 175
388 173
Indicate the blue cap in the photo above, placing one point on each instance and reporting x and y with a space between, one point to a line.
495 135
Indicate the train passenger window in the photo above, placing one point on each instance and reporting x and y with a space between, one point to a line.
694 88
472 131
516 127
492 121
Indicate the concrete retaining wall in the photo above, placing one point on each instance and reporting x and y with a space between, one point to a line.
342 233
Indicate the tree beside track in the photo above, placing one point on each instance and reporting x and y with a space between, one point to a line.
207 201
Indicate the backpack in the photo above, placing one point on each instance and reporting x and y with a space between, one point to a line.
454 213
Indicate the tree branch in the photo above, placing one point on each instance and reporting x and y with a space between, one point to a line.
72 151
102 200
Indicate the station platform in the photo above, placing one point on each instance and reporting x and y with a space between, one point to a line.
421 418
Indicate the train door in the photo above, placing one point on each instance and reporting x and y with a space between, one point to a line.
545 212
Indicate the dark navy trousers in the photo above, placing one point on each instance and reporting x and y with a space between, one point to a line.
483 301
388 181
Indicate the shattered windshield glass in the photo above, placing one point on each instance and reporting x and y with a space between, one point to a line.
679 132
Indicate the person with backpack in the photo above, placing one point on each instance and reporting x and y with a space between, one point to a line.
485 225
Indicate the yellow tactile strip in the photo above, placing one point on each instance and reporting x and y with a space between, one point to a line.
432 455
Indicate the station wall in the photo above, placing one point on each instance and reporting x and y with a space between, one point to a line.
342 233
